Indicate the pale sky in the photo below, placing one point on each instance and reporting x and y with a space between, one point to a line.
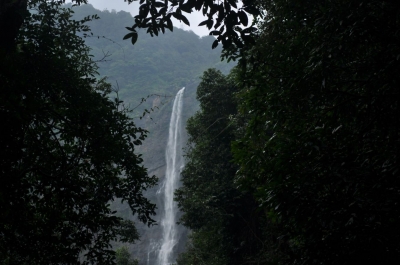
194 18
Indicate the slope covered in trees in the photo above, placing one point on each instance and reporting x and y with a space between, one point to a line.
154 65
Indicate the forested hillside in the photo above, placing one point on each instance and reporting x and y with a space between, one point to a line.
155 68
292 157
154 65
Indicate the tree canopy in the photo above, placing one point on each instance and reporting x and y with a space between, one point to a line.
225 19
224 220
320 95
66 148
317 134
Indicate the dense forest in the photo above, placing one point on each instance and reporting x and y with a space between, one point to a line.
291 159
67 147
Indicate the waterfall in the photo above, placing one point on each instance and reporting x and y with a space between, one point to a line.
174 162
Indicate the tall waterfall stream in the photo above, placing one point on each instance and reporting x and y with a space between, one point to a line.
174 164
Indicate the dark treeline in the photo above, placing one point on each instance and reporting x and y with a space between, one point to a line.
67 145
293 157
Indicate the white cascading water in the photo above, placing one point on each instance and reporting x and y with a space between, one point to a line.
174 161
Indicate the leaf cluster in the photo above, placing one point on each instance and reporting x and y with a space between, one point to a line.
171 56
225 19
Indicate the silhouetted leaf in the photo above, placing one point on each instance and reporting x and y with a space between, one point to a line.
186 7
181 17
215 44
232 3
203 22
210 23
169 24
129 35
198 5
243 18
134 38
159 4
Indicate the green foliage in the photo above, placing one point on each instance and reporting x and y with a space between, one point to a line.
123 257
319 107
67 150
224 19
153 65
204 248
223 219
209 137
